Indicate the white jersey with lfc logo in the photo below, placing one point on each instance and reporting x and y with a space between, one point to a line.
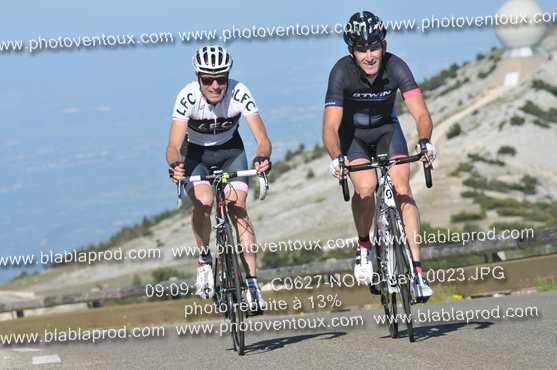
210 124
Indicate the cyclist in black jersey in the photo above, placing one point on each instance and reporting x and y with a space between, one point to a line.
359 115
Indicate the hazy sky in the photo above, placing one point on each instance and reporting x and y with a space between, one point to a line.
83 132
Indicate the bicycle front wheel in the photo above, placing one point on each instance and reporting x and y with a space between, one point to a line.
403 274
234 290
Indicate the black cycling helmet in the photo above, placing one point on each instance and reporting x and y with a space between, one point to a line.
364 29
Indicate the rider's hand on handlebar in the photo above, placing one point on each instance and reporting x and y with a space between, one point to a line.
262 164
425 146
176 171
334 168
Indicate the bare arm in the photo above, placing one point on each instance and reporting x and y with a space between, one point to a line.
176 137
259 132
418 110
332 118
264 146
175 140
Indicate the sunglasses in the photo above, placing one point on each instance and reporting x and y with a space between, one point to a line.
363 49
208 80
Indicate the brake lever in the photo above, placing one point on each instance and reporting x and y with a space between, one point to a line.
263 186
179 192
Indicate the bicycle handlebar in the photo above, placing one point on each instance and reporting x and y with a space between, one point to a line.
384 163
263 181
378 164
216 175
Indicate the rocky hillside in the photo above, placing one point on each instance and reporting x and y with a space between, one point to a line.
496 167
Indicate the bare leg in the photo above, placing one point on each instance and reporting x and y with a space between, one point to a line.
400 176
363 201
202 198
244 229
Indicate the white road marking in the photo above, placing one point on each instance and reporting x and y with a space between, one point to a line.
26 350
50 359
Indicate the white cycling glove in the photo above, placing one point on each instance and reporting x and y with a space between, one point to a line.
333 166
425 144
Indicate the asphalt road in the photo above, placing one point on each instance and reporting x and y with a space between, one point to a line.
479 344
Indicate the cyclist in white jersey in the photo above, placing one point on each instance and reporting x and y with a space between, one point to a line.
204 133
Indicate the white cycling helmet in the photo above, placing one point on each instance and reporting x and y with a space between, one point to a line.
212 60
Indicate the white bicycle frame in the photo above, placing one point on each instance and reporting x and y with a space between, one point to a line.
381 226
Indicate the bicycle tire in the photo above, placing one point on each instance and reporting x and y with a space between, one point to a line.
390 308
402 269
387 300
234 290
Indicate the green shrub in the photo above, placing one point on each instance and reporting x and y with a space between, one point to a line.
468 216
509 226
480 56
279 168
454 131
480 158
317 152
507 150
526 185
544 212
517 121
462 167
476 182
470 194
438 80
483 75
468 228
537 122
542 85
455 86
531 108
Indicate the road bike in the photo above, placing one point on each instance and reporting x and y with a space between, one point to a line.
229 283
394 257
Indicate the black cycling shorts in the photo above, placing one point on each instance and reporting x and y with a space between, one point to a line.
229 157
365 143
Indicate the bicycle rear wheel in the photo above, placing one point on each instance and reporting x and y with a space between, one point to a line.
389 305
233 290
